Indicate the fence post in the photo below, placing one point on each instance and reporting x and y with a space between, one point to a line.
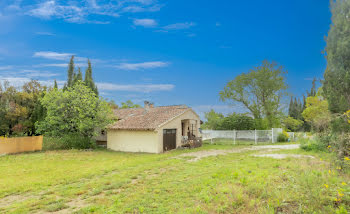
272 135
255 137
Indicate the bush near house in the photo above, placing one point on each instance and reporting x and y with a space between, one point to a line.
73 115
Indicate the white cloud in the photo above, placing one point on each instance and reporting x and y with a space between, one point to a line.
53 55
20 81
81 11
135 88
6 67
143 65
45 10
61 65
179 26
145 22
45 34
61 56
36 73
138 9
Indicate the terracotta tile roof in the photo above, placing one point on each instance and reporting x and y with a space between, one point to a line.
140 119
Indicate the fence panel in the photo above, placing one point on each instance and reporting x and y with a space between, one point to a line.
253 136
21 144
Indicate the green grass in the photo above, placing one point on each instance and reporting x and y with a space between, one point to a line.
104 181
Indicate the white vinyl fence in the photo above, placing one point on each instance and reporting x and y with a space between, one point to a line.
255 136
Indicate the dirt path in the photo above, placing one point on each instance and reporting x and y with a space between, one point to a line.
282 156
203 154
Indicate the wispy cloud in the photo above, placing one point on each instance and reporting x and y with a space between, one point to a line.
6 67
82 11
20 81
135 88
139 9
61 65
45 34
60 56
52 55
37 73
149 23
143 65
179 26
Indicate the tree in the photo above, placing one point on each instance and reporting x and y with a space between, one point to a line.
291 106
337 74
317 113
78 77
313 90
89 82
75 111
129 104
292 124
260 91
55 86
237 122
20 109
214 120
71 72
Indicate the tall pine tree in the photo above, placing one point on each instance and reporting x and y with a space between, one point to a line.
78 76
291 105
337 75
71 73
89 81
55 86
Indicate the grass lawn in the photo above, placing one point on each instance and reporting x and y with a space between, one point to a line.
103 181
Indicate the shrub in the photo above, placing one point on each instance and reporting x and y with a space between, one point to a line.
283 137
319 143
68 142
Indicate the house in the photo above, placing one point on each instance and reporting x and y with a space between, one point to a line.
153 129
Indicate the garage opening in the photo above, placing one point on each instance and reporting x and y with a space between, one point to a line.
169 139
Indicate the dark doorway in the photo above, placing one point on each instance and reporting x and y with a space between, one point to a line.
169 139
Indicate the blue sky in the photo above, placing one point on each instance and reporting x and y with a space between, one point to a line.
167 52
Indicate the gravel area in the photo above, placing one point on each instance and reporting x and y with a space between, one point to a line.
203 154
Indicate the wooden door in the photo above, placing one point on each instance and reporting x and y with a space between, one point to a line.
169 139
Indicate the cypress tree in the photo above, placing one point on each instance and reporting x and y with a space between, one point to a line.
70 72
290 106
55 85
337 75
78 76
89 82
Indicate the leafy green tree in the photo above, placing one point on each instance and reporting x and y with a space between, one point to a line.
317 113
237 122
214 120
292 124
129 104
75 111
20 109
112 104
337 74
260 91
32 92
